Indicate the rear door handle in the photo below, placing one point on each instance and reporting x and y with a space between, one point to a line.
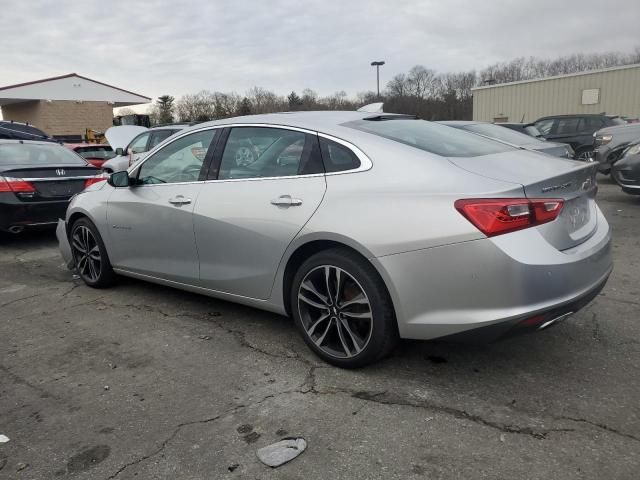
286 201
179 200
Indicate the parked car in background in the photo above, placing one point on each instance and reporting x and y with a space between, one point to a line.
626 171
37 179
131 143
510 137
610 143
526 128
576 130
462 243
94 153
10 130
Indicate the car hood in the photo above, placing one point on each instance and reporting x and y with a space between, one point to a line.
630 129
119 137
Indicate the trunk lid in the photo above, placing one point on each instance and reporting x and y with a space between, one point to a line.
51 182
547 177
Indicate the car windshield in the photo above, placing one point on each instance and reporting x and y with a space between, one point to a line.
533 131
102 153
37 154
431 137
499 133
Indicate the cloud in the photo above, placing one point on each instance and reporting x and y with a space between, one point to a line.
158 47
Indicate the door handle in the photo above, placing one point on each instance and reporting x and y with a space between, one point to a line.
286 201
179 200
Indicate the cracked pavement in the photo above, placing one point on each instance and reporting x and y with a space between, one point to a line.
142 381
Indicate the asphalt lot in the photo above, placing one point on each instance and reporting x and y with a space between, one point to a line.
146 382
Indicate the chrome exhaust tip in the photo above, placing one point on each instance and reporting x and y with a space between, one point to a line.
553 321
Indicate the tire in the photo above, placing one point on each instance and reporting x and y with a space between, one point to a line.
351 326
95 269
582 153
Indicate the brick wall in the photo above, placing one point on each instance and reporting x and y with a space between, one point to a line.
62 117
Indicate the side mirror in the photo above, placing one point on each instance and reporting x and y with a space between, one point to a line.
119 179
119 151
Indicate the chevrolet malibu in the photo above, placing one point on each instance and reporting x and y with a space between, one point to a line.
364 227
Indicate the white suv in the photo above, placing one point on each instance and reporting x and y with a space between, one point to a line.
143 141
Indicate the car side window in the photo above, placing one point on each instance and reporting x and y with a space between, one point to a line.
544 126
567 126
159 136
178 162
139 144
258 152
337 157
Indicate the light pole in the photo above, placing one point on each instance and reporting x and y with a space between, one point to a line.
378 65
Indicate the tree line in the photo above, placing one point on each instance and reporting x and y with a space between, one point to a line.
420 91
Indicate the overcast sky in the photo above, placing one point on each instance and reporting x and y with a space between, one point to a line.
175 47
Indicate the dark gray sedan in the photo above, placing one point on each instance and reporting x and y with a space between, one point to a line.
512 138
626 171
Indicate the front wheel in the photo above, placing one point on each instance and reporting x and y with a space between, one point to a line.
90 255
343 309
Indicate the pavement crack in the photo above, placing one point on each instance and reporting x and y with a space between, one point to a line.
387 398
19 300
601 426
180 426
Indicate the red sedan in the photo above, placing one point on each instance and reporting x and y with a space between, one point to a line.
95 154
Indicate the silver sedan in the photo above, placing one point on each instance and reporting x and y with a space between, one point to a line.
364 227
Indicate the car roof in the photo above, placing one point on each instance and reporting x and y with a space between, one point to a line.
459 122
579 115
175 126
326 121
28 142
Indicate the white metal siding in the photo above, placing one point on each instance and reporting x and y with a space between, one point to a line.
619 94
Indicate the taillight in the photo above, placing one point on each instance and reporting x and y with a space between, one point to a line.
98 178
16 185
495 216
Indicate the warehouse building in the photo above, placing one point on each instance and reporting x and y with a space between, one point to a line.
615 91
65 105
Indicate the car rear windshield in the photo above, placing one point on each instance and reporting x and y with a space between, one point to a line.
37 154
431 137
500 133
103 153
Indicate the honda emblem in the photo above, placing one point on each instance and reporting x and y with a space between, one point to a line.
60 172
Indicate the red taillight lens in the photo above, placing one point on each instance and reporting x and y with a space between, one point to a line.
92 180
16 185
495 216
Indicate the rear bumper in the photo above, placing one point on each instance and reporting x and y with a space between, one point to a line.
494 282
16 213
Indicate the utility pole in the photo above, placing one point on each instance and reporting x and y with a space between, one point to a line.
378 65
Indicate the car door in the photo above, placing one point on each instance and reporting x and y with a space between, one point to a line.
151 224
267 183
565 130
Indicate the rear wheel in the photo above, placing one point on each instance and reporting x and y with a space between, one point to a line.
343 309
90 255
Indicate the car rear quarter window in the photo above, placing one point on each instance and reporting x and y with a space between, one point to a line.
336 157
431 137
